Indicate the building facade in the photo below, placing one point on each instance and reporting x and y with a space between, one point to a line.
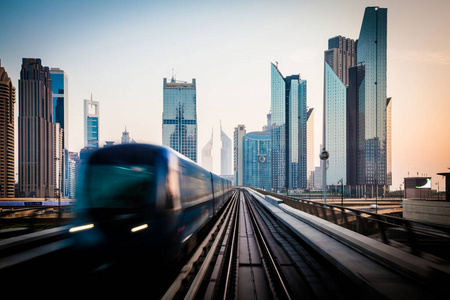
372 144
37 132
91 123
310 151
256 152
239 133
207 159
288 130
7 101
179 128
225 153
60 91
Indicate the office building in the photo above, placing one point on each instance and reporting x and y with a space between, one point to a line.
310 151
389 142
239 133
74 165
179 128
60 92
91 123
288 130
7 101
340 56
207 159
256 160
37 132
372 140
225 153
125 137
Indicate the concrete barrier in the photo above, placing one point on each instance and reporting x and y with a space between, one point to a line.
427 211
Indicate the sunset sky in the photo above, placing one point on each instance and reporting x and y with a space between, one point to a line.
120 51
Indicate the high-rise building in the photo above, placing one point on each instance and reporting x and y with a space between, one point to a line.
125 137
239 133
60 92
74 165
179 128
7 101
256 160
91 123
288 130
389 141
207 159
37 131
310 149
225 153
371 53
340 56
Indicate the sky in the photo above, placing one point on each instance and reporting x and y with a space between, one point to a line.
120 51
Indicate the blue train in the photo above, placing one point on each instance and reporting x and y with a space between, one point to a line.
143 199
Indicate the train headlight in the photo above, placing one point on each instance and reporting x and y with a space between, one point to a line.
138 228
80 228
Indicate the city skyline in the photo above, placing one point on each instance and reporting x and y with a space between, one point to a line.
417 60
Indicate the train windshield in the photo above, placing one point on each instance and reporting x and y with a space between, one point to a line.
119 186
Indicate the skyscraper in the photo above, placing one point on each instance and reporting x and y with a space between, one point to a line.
207 159
389 141
91 123
37 132
179 128
239 133
225 153
310 153
256 160
288 130
340 56
60 92
7 100
125 137
371 53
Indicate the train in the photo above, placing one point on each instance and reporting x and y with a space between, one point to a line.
143 199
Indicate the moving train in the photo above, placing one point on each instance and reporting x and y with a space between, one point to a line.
143 199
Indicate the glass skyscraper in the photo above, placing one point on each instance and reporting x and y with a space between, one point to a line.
91 123
225 153
371 53
179 128
256 151
288 132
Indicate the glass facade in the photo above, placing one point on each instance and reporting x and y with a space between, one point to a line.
371 50
335 97
257 160
91 124
288 130
179 129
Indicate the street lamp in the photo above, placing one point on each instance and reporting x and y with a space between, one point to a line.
324 155
341 181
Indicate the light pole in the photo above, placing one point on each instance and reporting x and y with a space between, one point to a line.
341 181
324 156
437 183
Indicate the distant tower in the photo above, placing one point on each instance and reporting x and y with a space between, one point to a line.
91 123
207 159
179 128
225 153
37 133
125 137
7 100
239 133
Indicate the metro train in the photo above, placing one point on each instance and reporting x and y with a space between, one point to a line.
143 199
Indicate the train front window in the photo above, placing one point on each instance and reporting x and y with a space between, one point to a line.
119 186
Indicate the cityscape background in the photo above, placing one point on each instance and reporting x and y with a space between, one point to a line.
120 52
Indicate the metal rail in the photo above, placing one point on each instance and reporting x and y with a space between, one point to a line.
419 237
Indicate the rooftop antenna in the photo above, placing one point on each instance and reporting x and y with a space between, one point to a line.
277 64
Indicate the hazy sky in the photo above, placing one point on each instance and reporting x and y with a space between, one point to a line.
120 51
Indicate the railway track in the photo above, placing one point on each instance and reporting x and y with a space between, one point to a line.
249 255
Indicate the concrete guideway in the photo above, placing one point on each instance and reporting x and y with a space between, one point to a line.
385 270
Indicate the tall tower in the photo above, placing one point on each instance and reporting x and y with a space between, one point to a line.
179 128
239 133
37 132
225 153
91 123
288 130
207 159
372 104
7 100
310 153
125 137
60 90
